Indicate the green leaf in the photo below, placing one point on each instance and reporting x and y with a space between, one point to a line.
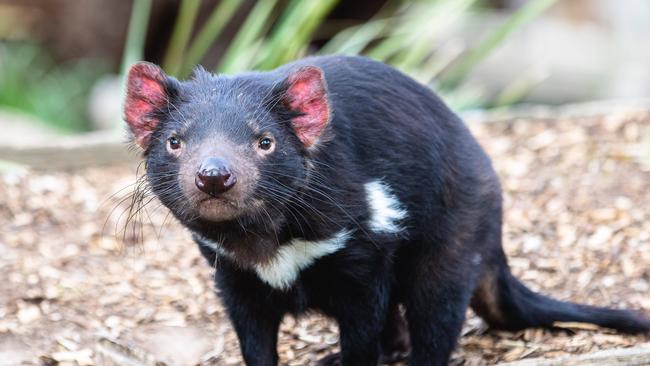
293 32
134 47
210 32
174 56
237 56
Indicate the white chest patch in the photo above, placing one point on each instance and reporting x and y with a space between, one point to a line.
282 270
385 209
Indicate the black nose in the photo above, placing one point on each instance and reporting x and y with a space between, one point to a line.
214 177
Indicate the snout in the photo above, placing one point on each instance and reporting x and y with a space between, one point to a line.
214 176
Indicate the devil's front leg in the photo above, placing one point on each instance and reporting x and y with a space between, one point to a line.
394 341
360 329
359 300
255 311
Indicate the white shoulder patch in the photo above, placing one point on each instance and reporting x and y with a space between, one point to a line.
283 269
385 208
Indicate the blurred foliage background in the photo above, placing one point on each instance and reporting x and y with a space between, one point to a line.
57 57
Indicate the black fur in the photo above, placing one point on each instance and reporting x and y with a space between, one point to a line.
387 127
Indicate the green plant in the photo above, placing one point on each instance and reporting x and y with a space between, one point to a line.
410 40
411 35
32 83
241 50
474 56
134 46
269 36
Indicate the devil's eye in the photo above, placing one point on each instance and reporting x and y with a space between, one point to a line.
174 143
265 143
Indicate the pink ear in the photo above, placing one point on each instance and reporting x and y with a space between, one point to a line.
145 93
307 94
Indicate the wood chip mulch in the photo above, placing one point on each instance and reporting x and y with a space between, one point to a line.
72 291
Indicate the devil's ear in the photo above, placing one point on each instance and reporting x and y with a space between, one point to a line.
147 91
306 94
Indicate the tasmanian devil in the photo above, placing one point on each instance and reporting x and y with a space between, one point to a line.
340 185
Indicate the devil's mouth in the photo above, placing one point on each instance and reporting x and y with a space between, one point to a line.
213 200
217 209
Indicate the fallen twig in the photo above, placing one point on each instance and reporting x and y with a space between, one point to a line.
635 356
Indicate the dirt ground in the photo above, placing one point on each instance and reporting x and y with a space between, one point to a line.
577 226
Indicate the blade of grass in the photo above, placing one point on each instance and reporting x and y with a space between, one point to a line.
299 42
134 47
417 24
395 40
287 26
294 31
210 32
247 57
515 22
173 59
517 89
465 98
444 56
353 40
135 39
428 30
255 24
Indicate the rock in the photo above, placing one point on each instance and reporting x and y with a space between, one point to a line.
105 103
28 313
13 351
